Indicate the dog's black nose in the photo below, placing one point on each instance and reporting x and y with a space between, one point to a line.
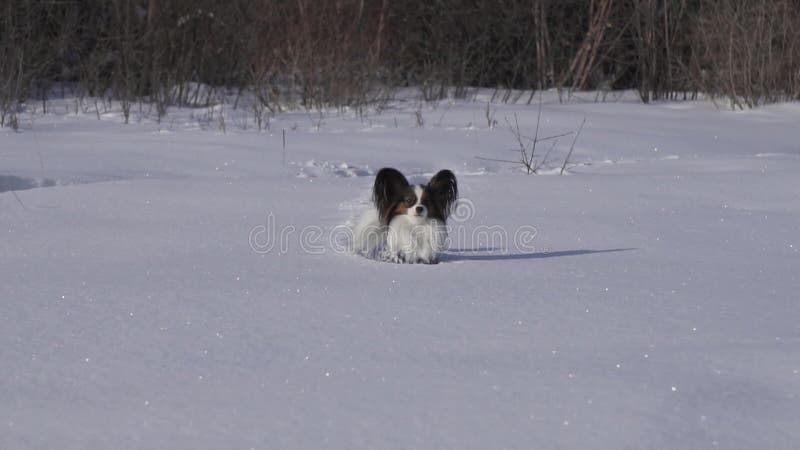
420 209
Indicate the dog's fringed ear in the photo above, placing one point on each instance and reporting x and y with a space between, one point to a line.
388 188
444 190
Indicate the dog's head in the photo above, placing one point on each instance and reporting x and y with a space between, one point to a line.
393 196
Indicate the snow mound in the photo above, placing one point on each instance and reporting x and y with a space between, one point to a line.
313 169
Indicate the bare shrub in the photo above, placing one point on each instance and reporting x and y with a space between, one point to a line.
27 55
352 53
527 146
748 52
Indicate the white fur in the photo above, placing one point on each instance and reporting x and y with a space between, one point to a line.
407 239
413 210
413 239
369 236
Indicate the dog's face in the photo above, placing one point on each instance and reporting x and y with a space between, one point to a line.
394 196
411 203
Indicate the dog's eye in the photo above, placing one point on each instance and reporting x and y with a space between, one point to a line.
409 201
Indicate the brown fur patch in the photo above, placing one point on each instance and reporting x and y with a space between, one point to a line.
402 207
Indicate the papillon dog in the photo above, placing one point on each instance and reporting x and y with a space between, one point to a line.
408 222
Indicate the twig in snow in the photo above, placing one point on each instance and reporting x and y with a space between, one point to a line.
283 160
19 200
572 147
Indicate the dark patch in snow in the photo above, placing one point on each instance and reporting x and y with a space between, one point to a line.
13 183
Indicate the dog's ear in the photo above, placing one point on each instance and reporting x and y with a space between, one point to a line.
389 187
444 191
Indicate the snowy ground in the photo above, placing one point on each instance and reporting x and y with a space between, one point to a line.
142 307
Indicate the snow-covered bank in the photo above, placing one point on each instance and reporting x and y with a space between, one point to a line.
657 307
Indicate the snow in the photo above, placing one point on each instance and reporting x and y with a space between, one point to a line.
648 300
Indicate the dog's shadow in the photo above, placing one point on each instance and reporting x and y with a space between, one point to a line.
493 254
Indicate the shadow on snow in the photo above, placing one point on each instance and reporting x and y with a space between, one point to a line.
484 254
